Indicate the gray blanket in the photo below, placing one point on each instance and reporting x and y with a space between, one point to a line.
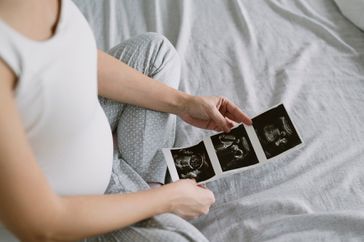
303 53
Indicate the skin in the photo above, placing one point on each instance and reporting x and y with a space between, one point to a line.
31 209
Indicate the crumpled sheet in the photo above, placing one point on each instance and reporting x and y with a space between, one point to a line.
303 53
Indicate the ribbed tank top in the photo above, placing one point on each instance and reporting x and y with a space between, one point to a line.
56 95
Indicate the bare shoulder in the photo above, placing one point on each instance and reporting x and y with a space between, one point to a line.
7 76
8 13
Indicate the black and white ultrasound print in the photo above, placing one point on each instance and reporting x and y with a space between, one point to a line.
271 134
234 149
193 162
275 131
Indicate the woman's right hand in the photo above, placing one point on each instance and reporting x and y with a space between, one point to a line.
189 200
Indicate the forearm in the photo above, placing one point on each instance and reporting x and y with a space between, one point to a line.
91 215
120 82
78 217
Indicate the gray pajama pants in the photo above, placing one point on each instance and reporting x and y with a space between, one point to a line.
140 134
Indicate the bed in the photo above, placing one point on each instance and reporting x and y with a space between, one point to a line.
303 53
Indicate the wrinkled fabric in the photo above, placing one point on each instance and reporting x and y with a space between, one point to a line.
303 53
139 135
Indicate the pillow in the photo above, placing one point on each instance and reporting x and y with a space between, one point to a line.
353 10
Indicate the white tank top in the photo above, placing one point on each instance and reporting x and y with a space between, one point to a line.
56 95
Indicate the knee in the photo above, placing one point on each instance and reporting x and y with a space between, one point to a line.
162 53
152 54
157 41
153 37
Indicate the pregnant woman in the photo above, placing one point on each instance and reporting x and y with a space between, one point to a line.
60 178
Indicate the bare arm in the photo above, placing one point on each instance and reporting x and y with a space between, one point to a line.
33 212
122 83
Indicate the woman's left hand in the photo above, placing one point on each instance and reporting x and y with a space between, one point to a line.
210 112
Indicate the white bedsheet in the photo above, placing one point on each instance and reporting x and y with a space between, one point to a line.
259 53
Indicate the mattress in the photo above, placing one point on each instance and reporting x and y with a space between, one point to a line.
302 53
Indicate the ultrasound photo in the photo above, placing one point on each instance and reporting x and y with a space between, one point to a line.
193 162
275 131
234 149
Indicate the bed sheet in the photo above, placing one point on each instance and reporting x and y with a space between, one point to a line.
303 53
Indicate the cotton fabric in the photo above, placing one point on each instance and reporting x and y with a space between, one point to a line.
303 53
140 135
56 98
55 95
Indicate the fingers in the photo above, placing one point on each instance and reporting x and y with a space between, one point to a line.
231 122
193 199
210 195
220 120
202 185
234 113
214 113
197 122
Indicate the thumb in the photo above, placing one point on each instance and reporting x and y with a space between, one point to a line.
217 117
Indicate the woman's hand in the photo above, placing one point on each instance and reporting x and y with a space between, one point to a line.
215 113
189 200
